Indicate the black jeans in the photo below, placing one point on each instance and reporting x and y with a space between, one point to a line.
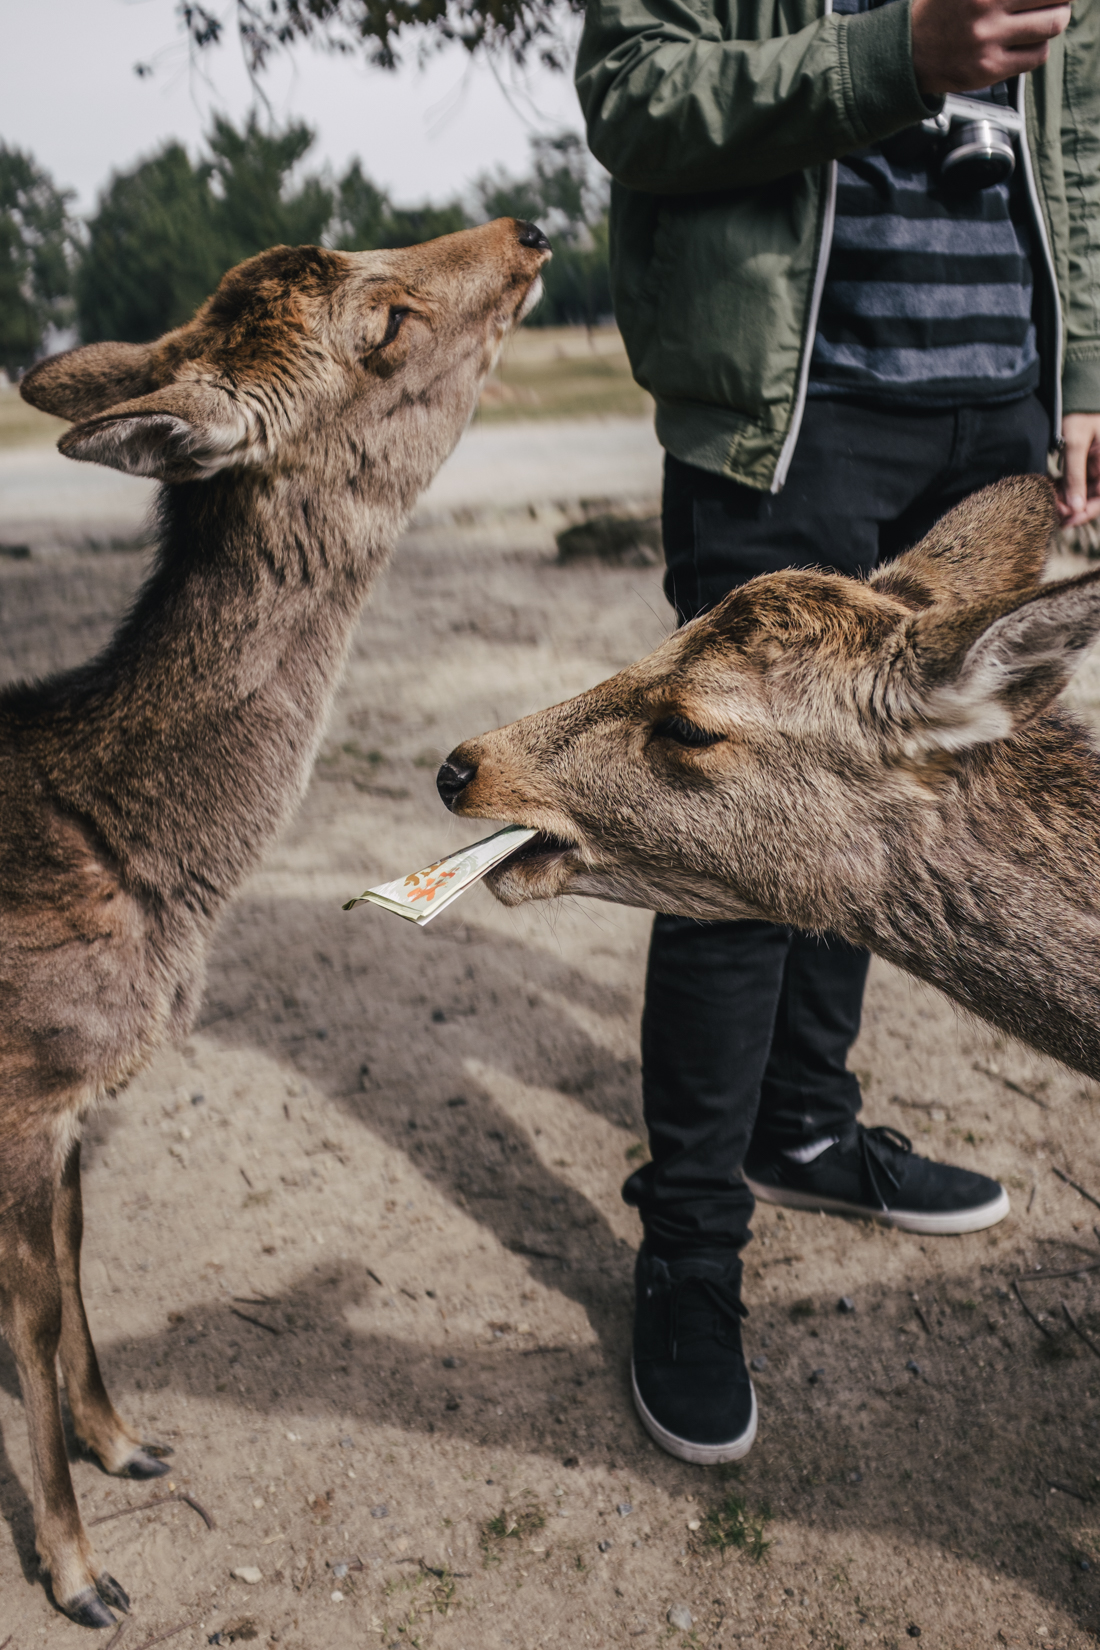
747 1026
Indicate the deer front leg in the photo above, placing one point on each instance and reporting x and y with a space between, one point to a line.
30 1317
98 1424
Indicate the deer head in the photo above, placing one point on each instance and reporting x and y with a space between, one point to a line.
764 759
363 367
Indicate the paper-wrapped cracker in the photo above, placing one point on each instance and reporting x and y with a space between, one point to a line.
422 895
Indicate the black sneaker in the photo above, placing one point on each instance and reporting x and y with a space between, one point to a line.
877 1174
691 1388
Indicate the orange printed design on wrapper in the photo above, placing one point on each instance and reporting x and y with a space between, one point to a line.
431 885
424 885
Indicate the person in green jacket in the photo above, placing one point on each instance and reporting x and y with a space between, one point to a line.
855 253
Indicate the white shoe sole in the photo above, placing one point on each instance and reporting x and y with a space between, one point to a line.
906 1220
701 1455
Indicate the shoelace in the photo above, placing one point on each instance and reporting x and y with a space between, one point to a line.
877 1146
724 1297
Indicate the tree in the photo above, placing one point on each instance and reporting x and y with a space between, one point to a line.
522 28
365 217
166 231
153 253
37 248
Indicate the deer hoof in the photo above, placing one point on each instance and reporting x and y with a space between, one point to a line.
87 1609
109 1590
144 1465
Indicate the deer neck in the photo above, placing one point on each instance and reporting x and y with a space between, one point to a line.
190 740
996 899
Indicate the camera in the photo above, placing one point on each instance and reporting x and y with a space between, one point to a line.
973 143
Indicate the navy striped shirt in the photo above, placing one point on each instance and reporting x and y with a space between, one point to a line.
928 297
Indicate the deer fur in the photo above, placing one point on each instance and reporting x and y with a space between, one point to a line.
293 423
882 760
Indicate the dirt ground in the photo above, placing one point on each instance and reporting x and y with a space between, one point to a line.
357 1252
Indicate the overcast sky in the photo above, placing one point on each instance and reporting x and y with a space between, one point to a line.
69 94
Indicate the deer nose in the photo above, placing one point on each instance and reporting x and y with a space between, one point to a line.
453 778
531 235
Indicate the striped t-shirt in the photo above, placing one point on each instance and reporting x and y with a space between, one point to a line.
928 296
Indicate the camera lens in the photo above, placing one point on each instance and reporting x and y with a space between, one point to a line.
979 154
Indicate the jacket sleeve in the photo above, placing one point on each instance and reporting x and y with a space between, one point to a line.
1081 160
674 106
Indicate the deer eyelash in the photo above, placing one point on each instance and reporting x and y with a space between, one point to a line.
393 326
683 732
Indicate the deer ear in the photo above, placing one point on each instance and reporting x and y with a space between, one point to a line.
990 546
86 381
977 674
183 432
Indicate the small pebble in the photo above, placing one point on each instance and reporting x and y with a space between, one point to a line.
604 1546
680 1616
855 1478
450 1363
1084 1564
381 1511
347 1443
258 1502
913 1630
624 1509
337 1597
913 1366
759 1363
249 1573
693 1523
339 1571
816 1375
845 1304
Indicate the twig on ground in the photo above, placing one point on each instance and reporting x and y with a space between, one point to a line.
1067 1272
924 1321
247 1182
1031 1195
1062 1175
256 1300
248 1318
157 1501
1041 1327
8 1640
1069 1489
987 1071
376 1278
159 1638
1077 1330
116 1635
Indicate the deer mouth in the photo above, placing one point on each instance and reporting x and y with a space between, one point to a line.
538 870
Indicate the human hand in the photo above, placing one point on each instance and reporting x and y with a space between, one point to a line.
963 45
1079 489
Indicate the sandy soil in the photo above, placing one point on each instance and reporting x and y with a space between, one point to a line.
356 1251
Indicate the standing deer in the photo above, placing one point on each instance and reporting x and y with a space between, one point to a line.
293 423
881 760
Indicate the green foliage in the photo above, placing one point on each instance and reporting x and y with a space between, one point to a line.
365 217
567 195
37 246
731 1525
166 231
522 28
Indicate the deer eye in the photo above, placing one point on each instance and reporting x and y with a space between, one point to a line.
683 732
393 326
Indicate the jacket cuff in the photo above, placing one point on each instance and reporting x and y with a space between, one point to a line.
876 65
1081 384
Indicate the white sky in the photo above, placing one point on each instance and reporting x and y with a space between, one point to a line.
69 94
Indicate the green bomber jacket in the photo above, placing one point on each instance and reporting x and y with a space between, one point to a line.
720 122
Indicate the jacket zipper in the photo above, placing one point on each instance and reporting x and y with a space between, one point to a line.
1048 258
828 224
